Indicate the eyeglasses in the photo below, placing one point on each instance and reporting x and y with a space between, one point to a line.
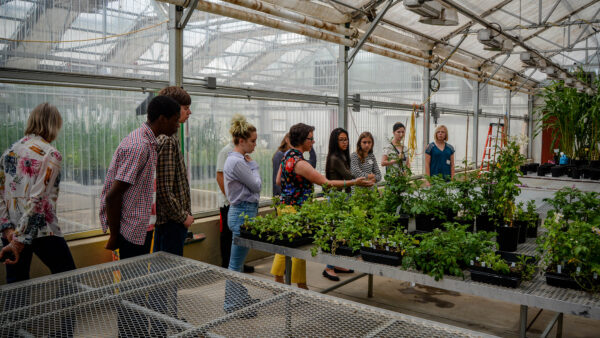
310 138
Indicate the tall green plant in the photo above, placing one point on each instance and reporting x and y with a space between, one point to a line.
573 118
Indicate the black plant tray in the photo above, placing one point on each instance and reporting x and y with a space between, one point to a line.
489 276
343 250
381 256
294 243
561 280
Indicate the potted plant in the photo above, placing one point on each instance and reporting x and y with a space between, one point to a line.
532 218
492 268
387 249
447 252
521 221
571 254
504 189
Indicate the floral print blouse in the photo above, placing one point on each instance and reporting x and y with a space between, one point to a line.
29 179
295 189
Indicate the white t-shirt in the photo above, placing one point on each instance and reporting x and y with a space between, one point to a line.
221 158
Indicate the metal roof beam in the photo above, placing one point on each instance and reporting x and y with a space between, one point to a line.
561 19
515 40
471 23
551 11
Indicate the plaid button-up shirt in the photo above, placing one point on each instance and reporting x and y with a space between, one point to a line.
133 162
173 202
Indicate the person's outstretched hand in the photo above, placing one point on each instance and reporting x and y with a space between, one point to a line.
363 182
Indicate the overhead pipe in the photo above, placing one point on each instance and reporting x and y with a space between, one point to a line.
303 19
320 11
320 35
281 12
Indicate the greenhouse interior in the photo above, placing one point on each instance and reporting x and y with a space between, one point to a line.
283 168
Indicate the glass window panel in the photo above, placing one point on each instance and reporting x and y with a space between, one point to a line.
76 31
380 78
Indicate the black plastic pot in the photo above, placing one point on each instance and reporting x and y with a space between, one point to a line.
532 231
580 163
575 173
533 167
524 169
594 174
585 171
557 171
484 223
595 164
507 238
489 276
522 225
403 221
427 223
544 169
381 256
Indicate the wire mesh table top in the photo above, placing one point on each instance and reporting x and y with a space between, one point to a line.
166 295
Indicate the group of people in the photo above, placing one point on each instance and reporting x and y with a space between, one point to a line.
146 189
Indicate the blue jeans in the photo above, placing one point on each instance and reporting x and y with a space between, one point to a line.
235 218
170 237
236 295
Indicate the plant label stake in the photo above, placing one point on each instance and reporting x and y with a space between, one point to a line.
559 269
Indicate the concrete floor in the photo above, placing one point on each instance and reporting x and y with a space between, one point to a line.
474 313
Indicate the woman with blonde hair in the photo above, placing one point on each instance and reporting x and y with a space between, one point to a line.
242 186
29 180
439 155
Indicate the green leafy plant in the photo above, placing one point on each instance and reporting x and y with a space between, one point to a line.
573 118
504 182
447 252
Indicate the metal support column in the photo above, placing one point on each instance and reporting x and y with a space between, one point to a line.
370 287
343 87
523 324
175 46
507 116
176 57
426 112
475 138
530 123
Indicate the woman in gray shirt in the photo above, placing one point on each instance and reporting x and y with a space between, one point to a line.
363 162
242 187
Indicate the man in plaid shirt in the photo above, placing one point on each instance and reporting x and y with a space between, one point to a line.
127 203
173 205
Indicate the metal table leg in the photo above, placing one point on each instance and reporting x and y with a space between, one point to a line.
288 270
370 287
559 326
523 326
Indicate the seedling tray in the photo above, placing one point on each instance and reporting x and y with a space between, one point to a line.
489 276
381 256
343 250
294 243
561 280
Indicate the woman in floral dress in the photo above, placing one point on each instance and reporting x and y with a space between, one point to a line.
296 177
29 180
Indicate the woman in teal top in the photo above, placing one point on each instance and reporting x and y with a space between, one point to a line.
439 155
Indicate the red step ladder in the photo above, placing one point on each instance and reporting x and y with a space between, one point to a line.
491 145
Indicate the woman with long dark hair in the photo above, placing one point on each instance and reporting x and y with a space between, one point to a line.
338 168
296 177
